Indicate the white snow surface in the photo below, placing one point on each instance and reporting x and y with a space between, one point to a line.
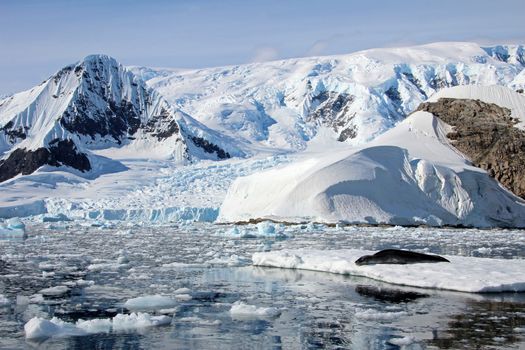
410 175
463 274
39 328
272 104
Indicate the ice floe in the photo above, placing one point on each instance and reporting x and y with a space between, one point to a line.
463 274
150 302
240 310
40 328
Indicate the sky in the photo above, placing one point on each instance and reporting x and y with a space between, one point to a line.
38 37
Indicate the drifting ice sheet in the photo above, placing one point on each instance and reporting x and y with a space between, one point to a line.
463 274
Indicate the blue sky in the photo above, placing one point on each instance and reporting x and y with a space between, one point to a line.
37 37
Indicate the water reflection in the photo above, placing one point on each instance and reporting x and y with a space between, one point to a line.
482 324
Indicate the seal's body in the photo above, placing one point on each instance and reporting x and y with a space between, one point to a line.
398 256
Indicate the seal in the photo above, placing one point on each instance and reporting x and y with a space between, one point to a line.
398 256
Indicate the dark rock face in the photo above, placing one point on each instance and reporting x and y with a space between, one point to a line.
332 111
82 117
485 133
60 152
209 147
162 126
14 134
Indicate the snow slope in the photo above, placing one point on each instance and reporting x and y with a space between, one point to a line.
462 274
282 104
409 175
103 109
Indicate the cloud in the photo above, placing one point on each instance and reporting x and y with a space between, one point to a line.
318 48
265 53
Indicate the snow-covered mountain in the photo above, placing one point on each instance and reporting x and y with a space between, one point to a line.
101 115
410 175
92 109
282 104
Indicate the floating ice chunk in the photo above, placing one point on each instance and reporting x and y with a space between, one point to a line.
404 341
138 320
374 315
106 267
240 310
150 302
13 227
199 321
55 218
39 328
266 228
182 291
15 224
123 257
183 297
3 300
54 291
463 274
99 325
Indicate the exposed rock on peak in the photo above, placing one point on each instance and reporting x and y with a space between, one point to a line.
93 105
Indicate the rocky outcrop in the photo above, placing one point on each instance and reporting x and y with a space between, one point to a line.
59 153
331 109
486 133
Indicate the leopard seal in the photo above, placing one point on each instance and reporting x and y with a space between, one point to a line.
398 256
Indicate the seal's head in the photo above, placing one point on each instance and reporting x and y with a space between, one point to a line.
364 260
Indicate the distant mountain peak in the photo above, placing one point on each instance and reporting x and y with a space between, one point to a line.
94 105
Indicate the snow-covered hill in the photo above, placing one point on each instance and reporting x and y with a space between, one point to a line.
92 109
409 175
281 104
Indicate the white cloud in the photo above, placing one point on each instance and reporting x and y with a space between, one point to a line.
265 53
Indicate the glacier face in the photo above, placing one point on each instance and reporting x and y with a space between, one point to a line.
282 104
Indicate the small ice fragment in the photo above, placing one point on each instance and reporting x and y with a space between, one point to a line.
3 300
55 218
183 297
242 310
39 328
182 291
266 228
404 341
138 320
15 224
150 302
54 291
